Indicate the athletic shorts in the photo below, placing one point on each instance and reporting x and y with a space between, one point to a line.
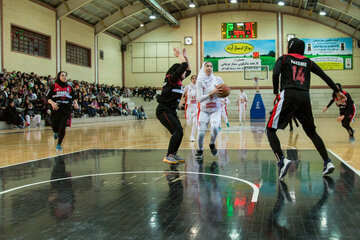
292 103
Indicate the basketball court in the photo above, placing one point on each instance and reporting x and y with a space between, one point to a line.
113 192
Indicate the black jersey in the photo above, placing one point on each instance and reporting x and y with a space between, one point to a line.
173 88
295 71
346 107
62 94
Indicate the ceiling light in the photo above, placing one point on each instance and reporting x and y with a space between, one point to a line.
233 1
152 16
192 4
281 3
322 12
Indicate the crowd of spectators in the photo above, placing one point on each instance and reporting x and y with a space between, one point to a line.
22 98
145 93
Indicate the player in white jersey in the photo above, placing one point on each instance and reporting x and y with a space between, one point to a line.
224 114
210 107
242 102
191 106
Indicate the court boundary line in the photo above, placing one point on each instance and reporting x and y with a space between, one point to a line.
254 198
343 161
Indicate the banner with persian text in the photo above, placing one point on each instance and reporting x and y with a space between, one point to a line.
235 55
330 53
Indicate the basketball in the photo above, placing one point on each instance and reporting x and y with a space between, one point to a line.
225 89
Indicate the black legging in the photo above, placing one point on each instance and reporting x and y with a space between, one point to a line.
59 122
310 132
170 120
346 124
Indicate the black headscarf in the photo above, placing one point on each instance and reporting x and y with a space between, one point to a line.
173 68
296 45
339 86
58 81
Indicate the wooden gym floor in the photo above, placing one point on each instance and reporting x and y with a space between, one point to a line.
18 146
109 183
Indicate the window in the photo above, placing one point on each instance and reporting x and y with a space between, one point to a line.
29 42
78 55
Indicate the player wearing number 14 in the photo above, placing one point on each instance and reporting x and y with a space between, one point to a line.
294 101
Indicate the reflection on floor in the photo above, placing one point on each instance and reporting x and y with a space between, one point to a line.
93 195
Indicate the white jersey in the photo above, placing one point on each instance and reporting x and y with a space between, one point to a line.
207 103
191 99
242 98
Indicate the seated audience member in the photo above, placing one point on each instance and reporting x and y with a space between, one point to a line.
32 116
135 91
2 106
135 112
142 112
11 115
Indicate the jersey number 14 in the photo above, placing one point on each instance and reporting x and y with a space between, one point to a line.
298 74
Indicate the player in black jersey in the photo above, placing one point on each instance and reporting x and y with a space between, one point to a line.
347 111
169 100
61 97
294 100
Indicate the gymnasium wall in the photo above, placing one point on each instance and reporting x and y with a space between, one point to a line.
36 18
211 27
163 34
110 70
316 30
267 29
32 16
82 35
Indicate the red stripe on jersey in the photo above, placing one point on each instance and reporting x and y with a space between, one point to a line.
297 55
57 87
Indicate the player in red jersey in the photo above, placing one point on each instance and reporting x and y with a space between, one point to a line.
61 97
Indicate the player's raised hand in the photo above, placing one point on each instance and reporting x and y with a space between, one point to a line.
325 109
176 52
184 53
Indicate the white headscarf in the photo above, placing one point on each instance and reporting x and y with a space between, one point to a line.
203 77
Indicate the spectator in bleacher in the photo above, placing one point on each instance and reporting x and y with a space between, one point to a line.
32 116
127 92
102 109
26 102
12 116
94 107
32 95
109 106
135 112
117 107
17 101
135 91
142 112
78 112
2 106
125 109
84 106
